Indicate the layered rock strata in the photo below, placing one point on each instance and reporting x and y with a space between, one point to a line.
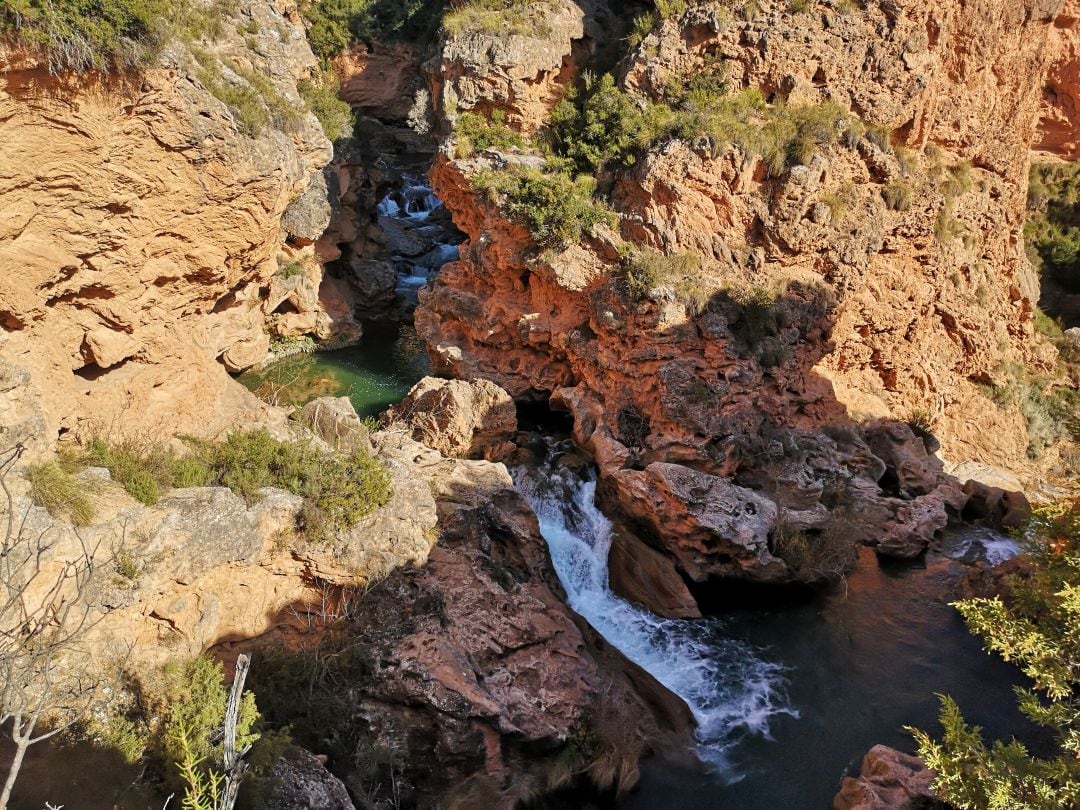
155 239
723 429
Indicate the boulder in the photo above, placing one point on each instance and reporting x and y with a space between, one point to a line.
334 420
710 526
642 574
300 781
373 282
474 419
888 780
994 495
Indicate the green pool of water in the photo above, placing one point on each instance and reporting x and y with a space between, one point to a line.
375 374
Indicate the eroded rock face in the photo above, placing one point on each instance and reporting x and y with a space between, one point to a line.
889 780
202 565
474 419
1060 110
523 72
154 268
876 316
481 679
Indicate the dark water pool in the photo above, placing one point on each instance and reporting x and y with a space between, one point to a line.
862 663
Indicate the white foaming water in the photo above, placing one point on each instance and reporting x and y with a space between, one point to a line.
730 689
976 543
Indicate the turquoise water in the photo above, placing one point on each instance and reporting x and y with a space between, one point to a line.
374 374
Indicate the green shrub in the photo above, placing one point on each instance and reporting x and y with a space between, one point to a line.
109 34
194 704
320 94
1053 227
1036 630
61 493
496 17
339 490
475 133
559 210
146 470
897 195
334 25
641 27
598 125
644 270
290 269
757 317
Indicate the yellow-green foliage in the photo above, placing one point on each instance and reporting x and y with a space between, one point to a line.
957 180
646 269
339 490
1053 227
62 494
602 125
558 209
320 94
1039 631
897 195
474 132
105 34
497 17
195 703
253 100
147 469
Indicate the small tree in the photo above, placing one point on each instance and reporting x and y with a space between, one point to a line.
45 677
1039 630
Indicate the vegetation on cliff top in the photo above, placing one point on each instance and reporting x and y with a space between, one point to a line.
339 490
1038 628
334 25
105 34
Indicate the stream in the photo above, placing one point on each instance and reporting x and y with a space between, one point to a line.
788 696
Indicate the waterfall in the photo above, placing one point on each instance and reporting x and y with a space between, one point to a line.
419 247
729 687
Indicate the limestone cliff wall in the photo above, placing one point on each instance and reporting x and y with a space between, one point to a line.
144 230
878 315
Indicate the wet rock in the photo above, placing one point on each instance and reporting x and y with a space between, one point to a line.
889 780
474 419
300 781
478 674
709 525
335 421
374 283
995 496
643 575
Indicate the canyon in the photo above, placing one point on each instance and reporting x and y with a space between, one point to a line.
822 380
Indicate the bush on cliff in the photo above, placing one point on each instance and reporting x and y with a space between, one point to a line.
601 125
1039 630
558 209
474 132
1053 228
108 34
320 94
339 490
334 25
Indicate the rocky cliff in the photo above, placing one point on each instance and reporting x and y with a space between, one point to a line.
156 237
878 282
